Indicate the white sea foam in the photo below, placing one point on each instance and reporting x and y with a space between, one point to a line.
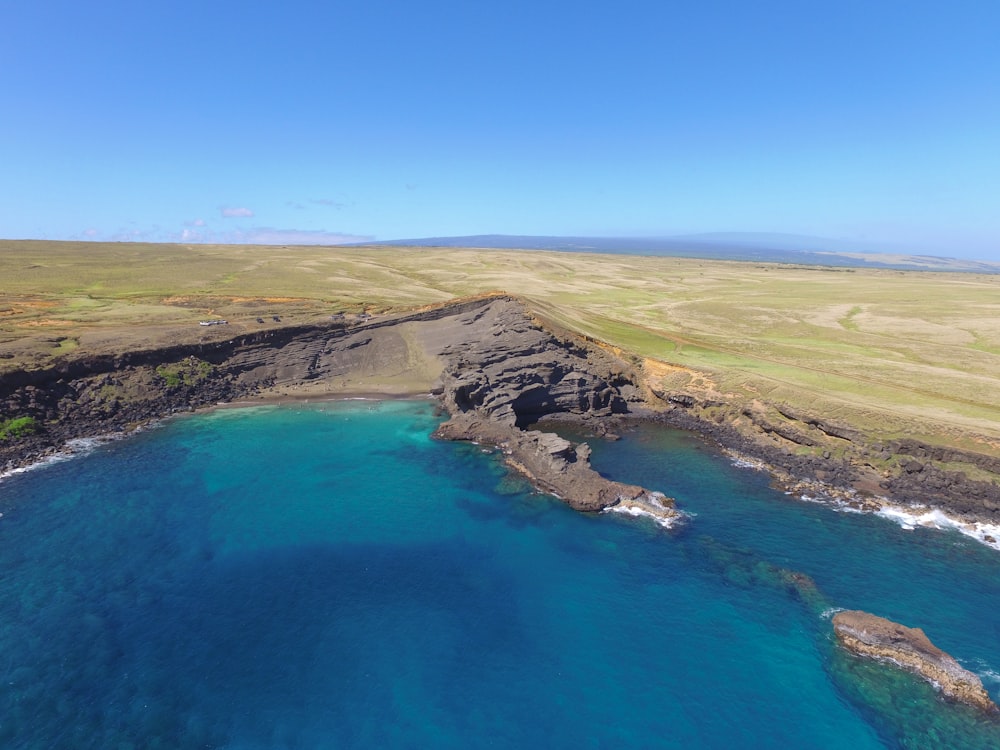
829 612
743 462
667 522
834 503
989 675
913 516
42 462
71 449
908 517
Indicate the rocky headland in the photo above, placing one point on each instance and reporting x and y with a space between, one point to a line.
909 648
517 373
498 371
494 368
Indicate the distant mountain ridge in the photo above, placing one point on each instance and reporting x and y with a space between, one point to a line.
755 247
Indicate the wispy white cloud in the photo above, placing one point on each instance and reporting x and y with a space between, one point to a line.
230 213
198 231
327 202
133 234
272 236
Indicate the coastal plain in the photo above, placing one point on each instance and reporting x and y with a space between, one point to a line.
872 388
898 353
824 363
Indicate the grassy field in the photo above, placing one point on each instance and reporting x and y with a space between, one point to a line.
895 353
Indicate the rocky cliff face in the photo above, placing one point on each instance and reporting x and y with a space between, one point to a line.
909 648
491 364
514 372
495 369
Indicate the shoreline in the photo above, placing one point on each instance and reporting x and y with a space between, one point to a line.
495 370
296 398
79 446
907 517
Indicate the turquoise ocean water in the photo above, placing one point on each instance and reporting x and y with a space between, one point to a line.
327 576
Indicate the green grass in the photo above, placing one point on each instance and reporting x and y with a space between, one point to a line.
17 427
892 352
848 321
186 372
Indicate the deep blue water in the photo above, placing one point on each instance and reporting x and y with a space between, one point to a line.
327 576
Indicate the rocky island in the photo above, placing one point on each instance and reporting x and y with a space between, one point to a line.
909 648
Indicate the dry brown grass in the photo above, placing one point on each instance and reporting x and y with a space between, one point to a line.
896 352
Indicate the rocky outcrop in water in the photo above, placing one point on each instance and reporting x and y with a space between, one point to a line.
492 363
513 374
495 369
557 466
909 648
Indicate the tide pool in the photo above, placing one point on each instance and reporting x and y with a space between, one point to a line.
327 576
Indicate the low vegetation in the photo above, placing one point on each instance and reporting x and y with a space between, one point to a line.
185 372
895 353
17 427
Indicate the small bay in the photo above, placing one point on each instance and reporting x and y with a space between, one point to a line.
328 576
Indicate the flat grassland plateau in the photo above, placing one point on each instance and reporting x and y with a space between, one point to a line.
892 370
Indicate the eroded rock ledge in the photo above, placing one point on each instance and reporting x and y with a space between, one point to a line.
557 466
495 369
492 364
852 469
909 648
516 373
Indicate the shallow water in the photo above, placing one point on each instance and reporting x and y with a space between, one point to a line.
328 576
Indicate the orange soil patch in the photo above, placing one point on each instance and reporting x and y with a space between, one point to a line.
48 322
656 369
272 300
27 306
185 299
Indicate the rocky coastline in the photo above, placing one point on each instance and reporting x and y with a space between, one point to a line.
874 637
494 369
497 371
857 476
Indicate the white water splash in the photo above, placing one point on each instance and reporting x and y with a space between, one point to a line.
71 449
666 521
907 517
911 517
989 675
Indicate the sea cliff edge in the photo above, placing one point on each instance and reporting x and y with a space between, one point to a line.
497 370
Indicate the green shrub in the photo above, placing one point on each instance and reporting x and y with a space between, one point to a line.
17 427
185 372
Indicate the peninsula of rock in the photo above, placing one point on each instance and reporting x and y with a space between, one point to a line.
874 637
494 368
498 369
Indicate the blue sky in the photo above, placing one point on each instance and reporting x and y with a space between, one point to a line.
325 122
